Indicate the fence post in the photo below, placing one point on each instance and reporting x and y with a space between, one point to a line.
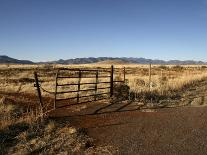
150 76
79 81
124 75
161 81
112 81
96 85
56 85
38 90
169 73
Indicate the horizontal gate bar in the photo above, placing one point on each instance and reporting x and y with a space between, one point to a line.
74 91
76 77
68 84
85 70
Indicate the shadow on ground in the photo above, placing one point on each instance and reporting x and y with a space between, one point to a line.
8 136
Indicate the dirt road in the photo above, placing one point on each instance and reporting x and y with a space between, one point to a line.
166 131
160 131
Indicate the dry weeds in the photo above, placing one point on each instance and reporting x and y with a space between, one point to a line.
164 78
23 133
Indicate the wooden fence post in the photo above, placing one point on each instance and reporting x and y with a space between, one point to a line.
112 81
169 76
161 81
79 81
96 85
124 75
150 76
56 84
37 85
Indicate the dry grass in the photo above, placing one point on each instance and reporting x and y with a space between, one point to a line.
22 132
165 81
25 133
19 78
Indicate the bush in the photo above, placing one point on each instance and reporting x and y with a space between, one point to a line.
203 67
121 92
163 67
178 68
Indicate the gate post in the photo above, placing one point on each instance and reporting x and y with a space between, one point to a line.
38 90
79 81
96 85
150 76
112 81
124 75
56 85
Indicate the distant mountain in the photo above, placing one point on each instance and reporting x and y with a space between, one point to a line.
127 60
112 62
6 59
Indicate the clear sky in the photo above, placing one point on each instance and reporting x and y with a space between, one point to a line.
42 30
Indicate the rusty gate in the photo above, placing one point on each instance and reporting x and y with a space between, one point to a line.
99 86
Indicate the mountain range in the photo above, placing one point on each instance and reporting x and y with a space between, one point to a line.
5 59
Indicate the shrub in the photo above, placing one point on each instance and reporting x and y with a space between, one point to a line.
121 92
163 67
178 68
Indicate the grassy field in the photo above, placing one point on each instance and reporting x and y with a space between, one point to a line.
164 79
23 130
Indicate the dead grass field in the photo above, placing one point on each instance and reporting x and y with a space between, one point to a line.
164 79
22 130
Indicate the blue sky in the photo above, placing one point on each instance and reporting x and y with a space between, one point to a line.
42 30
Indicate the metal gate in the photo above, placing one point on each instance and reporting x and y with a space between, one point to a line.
70 83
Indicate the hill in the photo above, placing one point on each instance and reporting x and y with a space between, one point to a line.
6 59
126 60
